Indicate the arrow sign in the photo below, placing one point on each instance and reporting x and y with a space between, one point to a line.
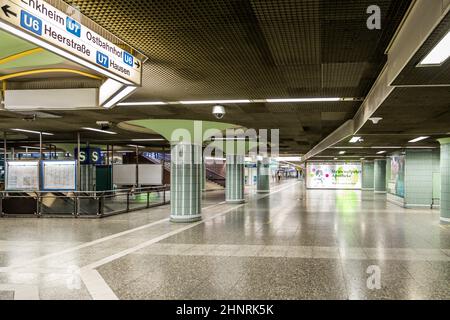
8 12
137 64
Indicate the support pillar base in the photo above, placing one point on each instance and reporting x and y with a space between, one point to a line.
185 219
236 201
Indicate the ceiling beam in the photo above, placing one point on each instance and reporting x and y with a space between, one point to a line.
422 19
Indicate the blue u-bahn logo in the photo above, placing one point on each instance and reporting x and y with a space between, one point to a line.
102 59
30 23
73 27
128 59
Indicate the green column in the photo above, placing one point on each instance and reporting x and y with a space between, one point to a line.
235 179
380 176
368 175
445 180
203 174
263 172
185 180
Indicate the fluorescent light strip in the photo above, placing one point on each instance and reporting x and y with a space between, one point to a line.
149 103
214 102
215 159
135 146
304 100
33 132
61 52
342 152
381 152
202 102
439 54
295 159
98 130
32 148
386 147
355 139
418 139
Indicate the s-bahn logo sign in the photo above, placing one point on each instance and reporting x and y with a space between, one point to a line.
44 22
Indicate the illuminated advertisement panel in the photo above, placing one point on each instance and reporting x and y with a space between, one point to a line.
339 175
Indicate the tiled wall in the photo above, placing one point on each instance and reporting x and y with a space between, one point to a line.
419 178
367 175
380 175
436 176
445 183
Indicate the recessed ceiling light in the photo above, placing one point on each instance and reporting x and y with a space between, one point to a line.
33 132
215 102
439 54
355 139
418 139
148 103
336 158
99 130
304 100
342 152
381 152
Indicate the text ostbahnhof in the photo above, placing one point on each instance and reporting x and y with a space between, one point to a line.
55 16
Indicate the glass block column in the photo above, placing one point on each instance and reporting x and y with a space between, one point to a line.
445 180
380 176
263 172
203 175
235 179
185 181
368 175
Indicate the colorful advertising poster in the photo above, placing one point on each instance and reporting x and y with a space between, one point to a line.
333 175
396 184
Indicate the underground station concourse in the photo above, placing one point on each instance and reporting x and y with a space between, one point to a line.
225 150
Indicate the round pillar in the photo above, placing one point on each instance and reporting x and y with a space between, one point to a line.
263 172
185 180
235 179
445 180
380 176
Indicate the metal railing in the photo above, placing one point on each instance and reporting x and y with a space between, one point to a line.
87 204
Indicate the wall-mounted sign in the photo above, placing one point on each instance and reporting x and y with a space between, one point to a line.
333 175
22 176
43 21
90 156
59 175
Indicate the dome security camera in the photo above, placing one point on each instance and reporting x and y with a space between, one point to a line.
219 112
375 120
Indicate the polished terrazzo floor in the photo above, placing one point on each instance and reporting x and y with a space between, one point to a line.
291 244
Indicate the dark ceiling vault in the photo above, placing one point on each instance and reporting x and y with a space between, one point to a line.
245 49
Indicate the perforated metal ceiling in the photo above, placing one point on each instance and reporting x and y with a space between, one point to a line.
251 49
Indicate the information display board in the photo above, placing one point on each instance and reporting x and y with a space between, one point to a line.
151 174
324 175
124 174
22 176
59 175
